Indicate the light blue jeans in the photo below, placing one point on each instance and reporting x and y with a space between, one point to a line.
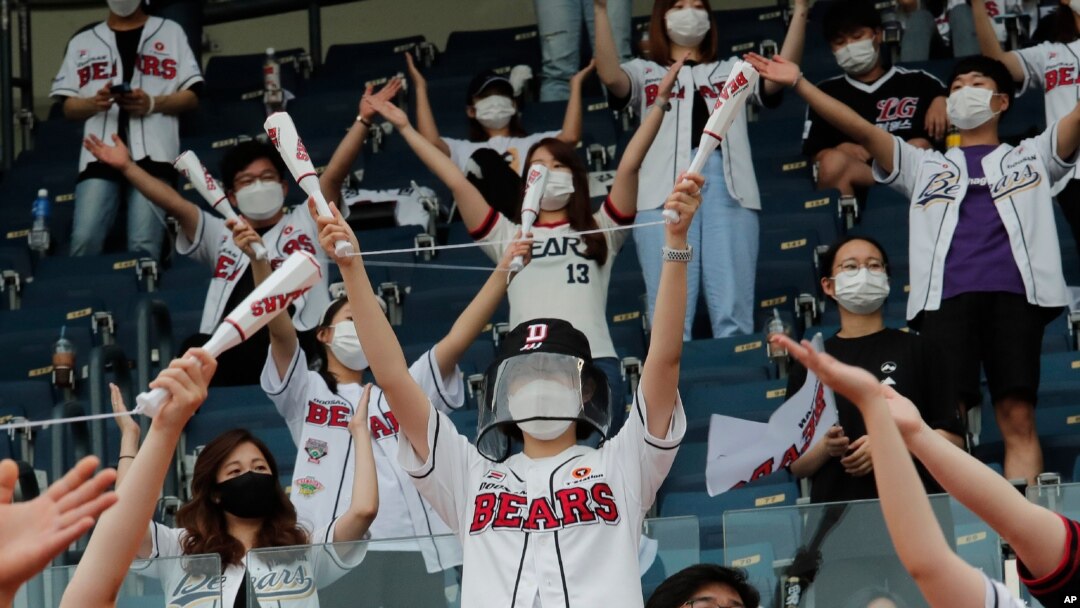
96 203
724 236
920 29
559 22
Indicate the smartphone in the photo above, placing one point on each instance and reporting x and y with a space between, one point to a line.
121 89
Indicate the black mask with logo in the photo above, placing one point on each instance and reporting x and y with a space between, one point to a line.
251 495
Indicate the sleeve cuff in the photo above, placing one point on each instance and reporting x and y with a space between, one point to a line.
190 82
346 555
453 397
63 93
1064 163
486 226
186 247
270 383
676 428
879 174
1065 571
613 212
408 458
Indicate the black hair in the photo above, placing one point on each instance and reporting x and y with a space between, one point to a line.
327 322
863 597
680 587
243 154
827 259
991 68
1060 25
846 16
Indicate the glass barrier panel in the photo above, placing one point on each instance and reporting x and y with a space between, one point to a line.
830 554
177 581
1059 498
668 544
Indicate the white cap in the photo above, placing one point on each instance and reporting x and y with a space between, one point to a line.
269 50
43 193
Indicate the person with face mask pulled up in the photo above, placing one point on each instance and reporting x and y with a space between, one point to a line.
984 255
152 58
255 180
905 102
855 273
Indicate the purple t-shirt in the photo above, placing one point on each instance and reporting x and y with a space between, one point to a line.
980 257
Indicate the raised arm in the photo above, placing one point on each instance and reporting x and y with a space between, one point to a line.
354 523
33 533
877 141
794 40
1068 134
660 378
989 44
474 209
337 170
425 118
624 191
159 193
407 400
474 318
283 338
607 57
571 127
121 531
130 432
945 580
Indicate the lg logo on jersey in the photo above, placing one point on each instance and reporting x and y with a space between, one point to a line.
570 507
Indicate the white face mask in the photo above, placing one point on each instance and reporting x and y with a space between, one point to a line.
260 200
863 293
969 107
687 26
124 8
494 111
857 58
544 399
346 346
557 191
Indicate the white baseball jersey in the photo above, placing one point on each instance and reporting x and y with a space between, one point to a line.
559 531
560 282
997 9
669 154
165 65
280 585
999 596
213 245
1019 181
513 149
318 421
1055 68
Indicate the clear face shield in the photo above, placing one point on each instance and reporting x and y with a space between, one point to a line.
540 394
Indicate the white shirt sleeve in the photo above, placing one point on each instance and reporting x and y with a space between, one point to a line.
443 478
208 234
460 150
644 460
187 66
1046 143
66 83
608 217
633 70
1033 60
999 596
289 393
493 240
446 394
905 172
333 561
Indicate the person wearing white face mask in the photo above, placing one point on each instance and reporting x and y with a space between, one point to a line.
907 103
685 31
492 155
1051 66
152 57
855 275
256 181
317 407
984 256
569 276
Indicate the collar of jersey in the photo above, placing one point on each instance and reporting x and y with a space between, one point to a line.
551 224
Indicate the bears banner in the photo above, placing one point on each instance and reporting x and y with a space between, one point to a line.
741 451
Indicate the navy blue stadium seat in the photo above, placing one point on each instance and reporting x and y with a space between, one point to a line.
27 354
229 77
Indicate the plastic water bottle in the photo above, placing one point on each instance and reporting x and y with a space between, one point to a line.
272 93
39 233
776 326
63 361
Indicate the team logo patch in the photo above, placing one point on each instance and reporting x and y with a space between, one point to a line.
581 472
495 475
307 486
888 367
159 46
538 332
315 450
82 53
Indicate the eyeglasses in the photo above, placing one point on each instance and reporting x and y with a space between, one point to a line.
852 267
708 602
246 179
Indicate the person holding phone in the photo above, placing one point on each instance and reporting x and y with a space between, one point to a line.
130 76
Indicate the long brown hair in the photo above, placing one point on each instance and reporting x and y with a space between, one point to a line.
658 47
579 209
203 518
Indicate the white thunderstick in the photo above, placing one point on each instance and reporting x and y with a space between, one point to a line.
272 297
282 132
530 206
740 84
189 166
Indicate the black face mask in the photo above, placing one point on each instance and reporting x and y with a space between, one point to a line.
251 495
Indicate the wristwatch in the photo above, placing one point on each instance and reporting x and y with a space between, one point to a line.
678 255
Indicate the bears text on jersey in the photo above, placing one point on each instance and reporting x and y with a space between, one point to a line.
571 506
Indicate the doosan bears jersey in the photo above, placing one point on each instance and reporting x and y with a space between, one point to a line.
165 65
213 245
318 420
543 531
1055 68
